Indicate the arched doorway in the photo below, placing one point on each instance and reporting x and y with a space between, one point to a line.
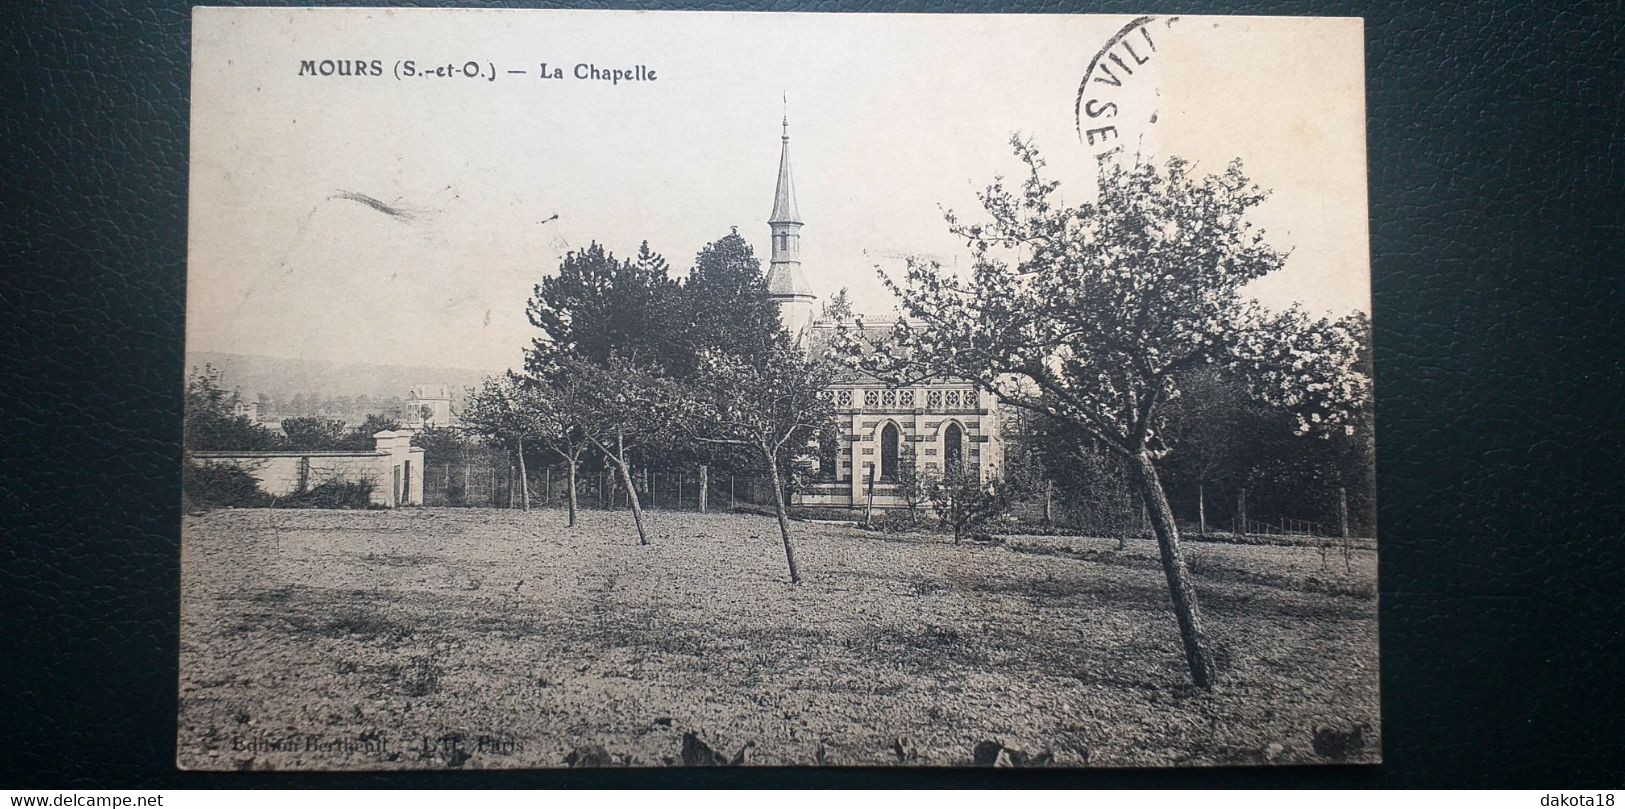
889 438
953 446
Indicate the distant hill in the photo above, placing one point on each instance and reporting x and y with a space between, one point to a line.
254 374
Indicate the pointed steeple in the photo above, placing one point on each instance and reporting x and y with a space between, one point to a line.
784 198
785 281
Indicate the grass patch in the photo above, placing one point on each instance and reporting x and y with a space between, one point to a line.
533 645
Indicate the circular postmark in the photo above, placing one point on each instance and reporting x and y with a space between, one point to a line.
1117 99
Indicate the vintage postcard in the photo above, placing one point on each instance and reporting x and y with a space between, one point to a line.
599 389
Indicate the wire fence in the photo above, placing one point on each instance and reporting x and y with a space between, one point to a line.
489 485
486 482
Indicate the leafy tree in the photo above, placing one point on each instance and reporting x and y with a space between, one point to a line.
726 307
212 420
839 307
505 410
770 406
1210 429
1093 481
361 436
597 306
967 504
439 443
1094 314
314 433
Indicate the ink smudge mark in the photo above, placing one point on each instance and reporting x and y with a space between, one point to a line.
374 203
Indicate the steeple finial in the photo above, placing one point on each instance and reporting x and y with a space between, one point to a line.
784 197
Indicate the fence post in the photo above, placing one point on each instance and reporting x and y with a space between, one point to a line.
705 475
1241 511
1201 511
1049 508
547 486
1343 512
869 509
732 504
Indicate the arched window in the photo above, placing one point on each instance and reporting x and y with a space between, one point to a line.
953 446
888 452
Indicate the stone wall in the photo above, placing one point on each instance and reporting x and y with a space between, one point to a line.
394 466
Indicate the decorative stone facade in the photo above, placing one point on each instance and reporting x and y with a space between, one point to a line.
885 429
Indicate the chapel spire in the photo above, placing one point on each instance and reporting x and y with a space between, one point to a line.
784 197
785 281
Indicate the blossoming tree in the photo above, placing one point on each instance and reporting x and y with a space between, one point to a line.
1092 314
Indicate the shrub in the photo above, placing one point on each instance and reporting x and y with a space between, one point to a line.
334 492
219 485
895 521
966 504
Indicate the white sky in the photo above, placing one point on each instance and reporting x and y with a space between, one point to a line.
892 117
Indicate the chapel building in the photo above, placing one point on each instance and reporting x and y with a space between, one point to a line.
925 426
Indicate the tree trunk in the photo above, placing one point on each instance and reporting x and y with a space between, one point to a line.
1343 512
1241 511
570 503
705 480
1201 510
618 460
1180 586
524 480
784 517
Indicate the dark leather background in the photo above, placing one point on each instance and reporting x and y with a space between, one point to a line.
1496 171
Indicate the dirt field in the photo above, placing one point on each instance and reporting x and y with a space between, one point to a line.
433 638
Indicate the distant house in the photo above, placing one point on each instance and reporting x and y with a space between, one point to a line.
429 406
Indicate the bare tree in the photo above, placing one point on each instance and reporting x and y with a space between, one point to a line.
565 404
772 407
629 407
914 485
506 410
